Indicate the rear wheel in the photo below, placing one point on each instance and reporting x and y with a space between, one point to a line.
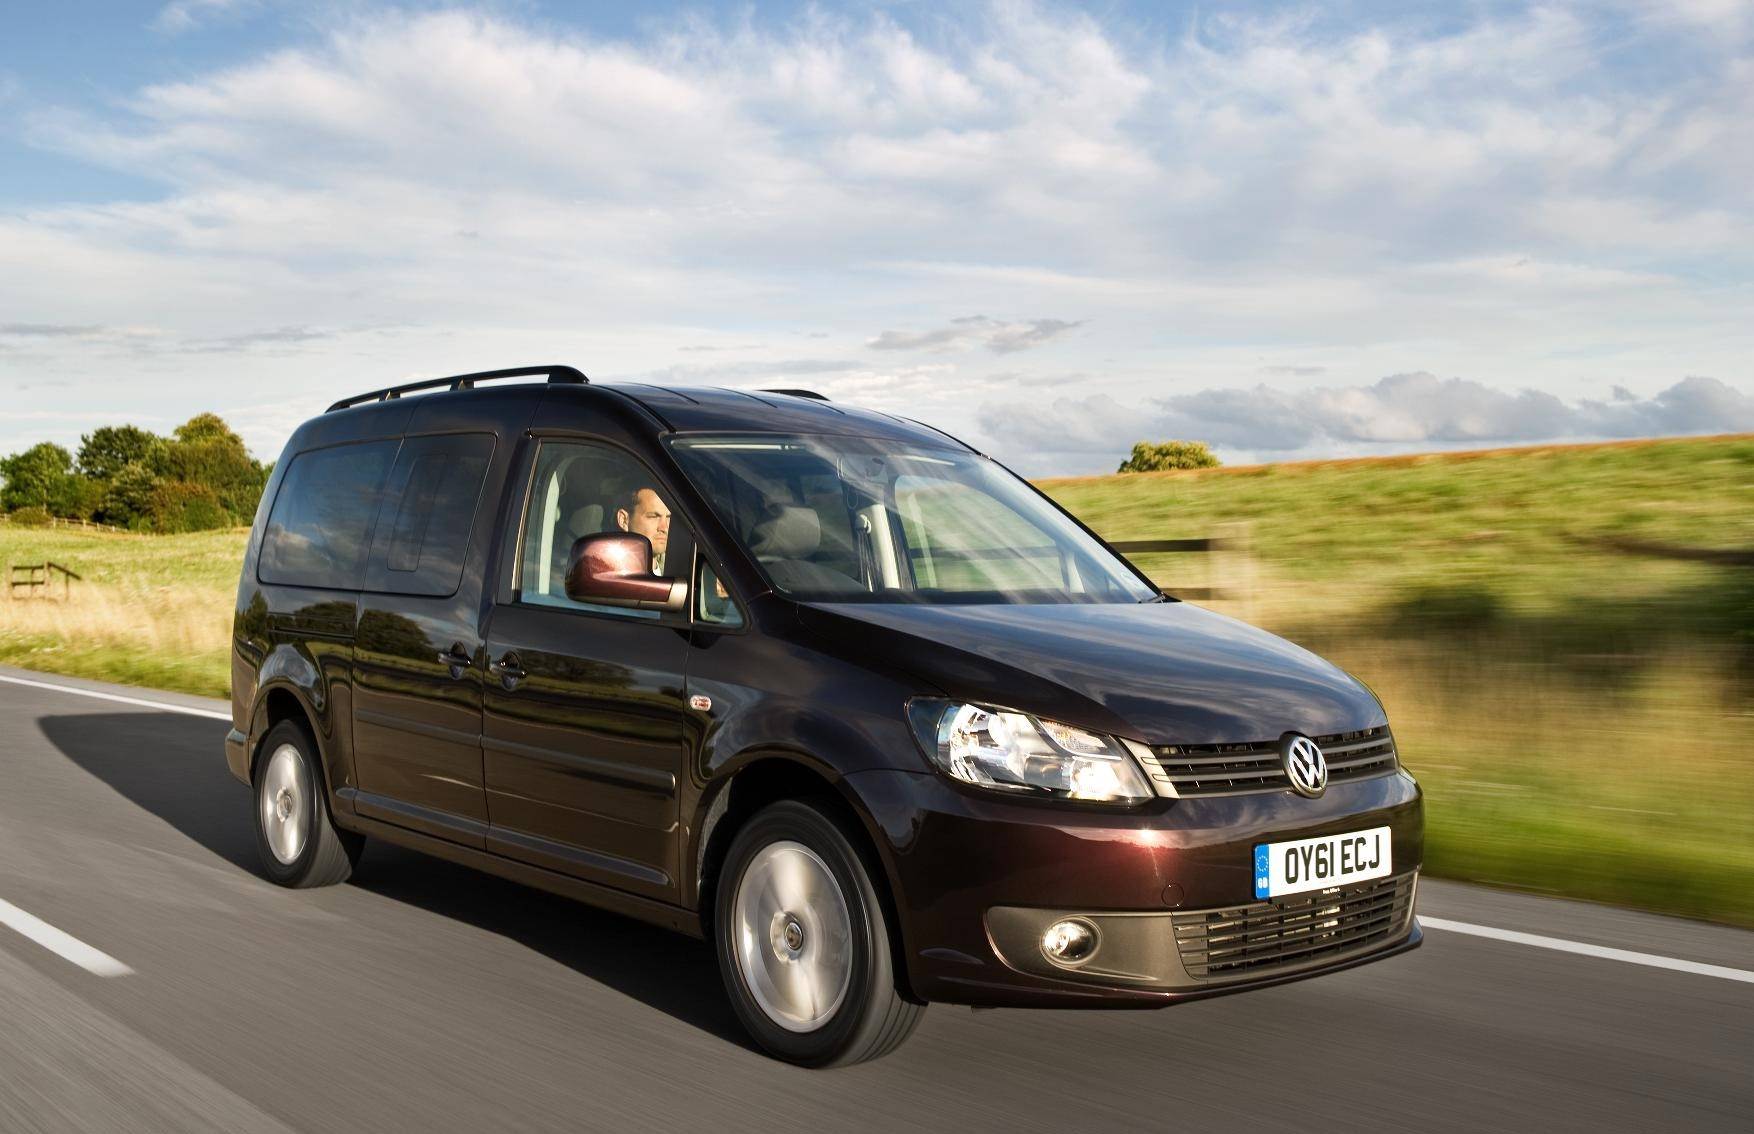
803 942
300 844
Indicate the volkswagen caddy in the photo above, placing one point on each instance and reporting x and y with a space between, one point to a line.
823 686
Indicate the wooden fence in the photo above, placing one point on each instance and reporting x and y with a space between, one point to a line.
35 579
63 522
1227 556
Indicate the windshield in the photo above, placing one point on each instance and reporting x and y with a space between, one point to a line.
859 519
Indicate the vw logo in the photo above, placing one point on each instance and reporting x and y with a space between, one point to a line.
1305 766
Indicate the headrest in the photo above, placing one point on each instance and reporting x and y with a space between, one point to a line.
789 532
586 521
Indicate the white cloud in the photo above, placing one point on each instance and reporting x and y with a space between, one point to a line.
1246 195
1398 413
996 335
182 15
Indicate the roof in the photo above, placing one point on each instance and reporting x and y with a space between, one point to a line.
703 409
677 409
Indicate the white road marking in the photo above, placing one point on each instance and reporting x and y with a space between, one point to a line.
1653 960
67 946
96 961
211 714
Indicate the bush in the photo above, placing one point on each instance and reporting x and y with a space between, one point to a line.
205 451
1156 456
127 501
79 498
180 506
31 517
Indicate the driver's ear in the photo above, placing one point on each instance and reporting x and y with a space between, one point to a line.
621 518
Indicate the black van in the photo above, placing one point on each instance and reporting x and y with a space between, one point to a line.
822 685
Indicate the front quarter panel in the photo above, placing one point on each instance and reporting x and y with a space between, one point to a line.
777 690
776 696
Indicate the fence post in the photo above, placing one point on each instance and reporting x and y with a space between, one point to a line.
1238 563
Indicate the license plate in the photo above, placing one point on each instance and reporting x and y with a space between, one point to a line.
1316 864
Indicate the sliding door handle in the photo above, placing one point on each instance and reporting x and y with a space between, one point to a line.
507 669
457 659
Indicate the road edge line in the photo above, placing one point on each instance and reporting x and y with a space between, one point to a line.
1604 952
210 714
68 947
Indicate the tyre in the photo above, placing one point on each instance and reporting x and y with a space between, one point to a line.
300 844
803 942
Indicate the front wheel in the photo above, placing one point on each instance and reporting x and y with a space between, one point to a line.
803 942
300 845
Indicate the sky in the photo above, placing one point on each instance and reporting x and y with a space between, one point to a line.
1289 231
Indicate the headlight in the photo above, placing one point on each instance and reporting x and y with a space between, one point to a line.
1016 752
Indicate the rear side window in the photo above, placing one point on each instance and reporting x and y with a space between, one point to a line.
429 510
322 516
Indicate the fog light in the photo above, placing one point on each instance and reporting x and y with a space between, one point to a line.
1069 942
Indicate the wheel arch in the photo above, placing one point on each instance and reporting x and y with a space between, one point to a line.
281 700
765 777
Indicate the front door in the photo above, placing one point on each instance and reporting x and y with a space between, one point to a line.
417 684
583 729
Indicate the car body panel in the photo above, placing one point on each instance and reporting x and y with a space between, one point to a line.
1158 672
605 771
958 853
584 750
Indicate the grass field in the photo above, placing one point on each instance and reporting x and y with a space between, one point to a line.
148 610
1577 713
1576 710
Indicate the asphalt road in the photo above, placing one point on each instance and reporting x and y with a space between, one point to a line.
422 996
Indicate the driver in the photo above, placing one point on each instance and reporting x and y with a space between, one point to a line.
643 512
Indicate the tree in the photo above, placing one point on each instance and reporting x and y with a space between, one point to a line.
79 498
106 451
205 451
127 500
206 427
200 477
179 506
36 477
1150 456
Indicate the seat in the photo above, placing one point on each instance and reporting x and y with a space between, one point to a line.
587 519
784 539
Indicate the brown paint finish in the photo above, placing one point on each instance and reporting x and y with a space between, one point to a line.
583 743
417 712
554 742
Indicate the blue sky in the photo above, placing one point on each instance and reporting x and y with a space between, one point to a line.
1290 231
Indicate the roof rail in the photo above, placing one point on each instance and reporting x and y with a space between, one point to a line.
811 394
556 374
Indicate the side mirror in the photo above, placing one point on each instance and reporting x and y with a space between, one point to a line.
615 569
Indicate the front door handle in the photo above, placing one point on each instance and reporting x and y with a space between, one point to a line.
457 658
508 670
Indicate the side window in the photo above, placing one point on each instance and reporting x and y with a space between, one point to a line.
322 516
712 601
430 503
579 489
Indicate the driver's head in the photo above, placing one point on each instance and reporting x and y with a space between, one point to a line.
644 511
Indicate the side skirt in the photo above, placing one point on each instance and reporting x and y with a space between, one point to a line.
630 905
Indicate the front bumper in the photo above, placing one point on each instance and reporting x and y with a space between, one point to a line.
977 879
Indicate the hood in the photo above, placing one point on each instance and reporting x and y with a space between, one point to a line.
1164 673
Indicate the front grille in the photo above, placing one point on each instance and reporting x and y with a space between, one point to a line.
1260 939
1231 769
